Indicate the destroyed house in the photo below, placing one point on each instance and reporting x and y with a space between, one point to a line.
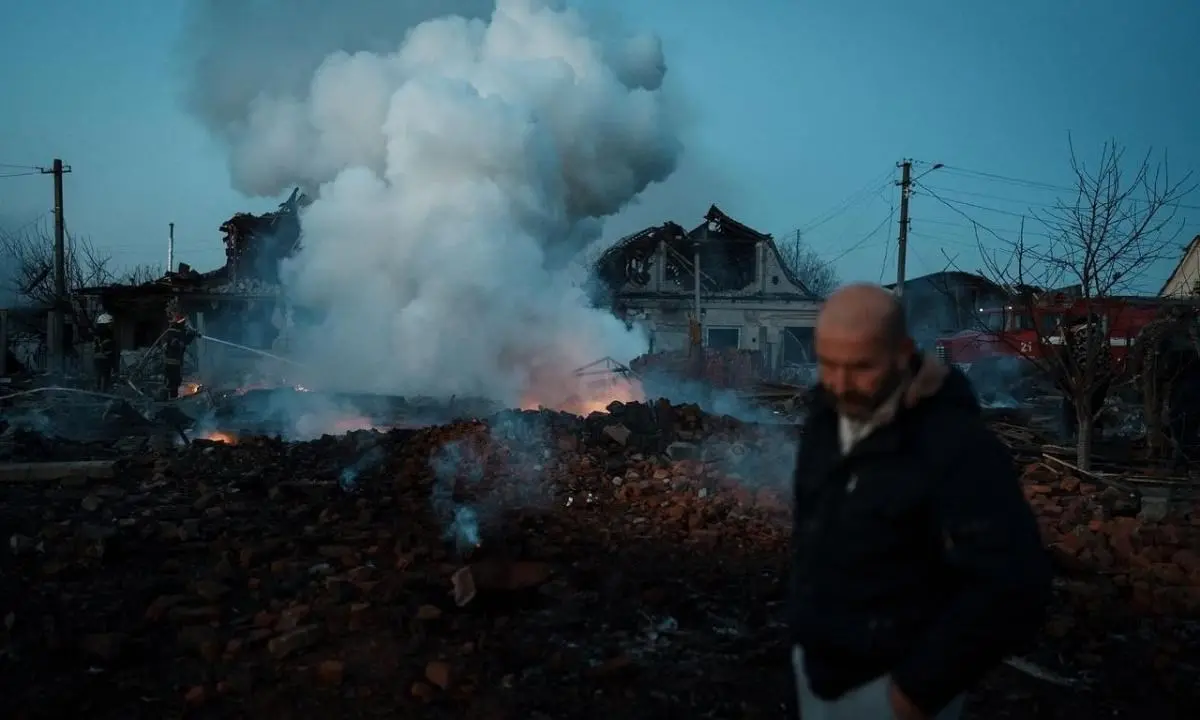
237 301
256 244
749 298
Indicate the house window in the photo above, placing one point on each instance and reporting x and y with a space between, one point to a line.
722 338
799 347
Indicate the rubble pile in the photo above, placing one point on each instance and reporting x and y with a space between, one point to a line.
1125 625
530 565
722 368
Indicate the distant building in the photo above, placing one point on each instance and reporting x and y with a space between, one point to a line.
239 301
749 298
944 303
1185 278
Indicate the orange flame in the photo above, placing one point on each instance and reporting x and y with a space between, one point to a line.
220 437
582 395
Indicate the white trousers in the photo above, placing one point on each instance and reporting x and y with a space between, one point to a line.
866 702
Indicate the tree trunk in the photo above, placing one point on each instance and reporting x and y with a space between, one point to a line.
1084 424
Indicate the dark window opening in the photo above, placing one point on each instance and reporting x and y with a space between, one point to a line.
799 346
993 321
723 338
1022 321
724 266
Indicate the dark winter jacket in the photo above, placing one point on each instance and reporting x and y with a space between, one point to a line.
103 346
915 555
175 344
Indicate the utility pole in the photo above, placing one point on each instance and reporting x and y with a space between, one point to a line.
170 246
61 302
696 271
902 243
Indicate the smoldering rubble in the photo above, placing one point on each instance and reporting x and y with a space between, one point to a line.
518 565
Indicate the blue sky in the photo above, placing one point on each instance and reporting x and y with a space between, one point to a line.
798 107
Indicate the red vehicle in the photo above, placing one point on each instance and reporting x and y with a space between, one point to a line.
1027 332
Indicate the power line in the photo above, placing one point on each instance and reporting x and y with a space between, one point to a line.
19 167
1039 185
943 239
968 218
859 196
1008 179
977 206
948 223
865 238
989 196
22 228
887 251
20 174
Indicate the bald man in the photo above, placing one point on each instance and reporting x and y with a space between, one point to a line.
918 564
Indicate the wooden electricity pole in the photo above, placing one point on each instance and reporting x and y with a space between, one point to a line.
902 243
61 301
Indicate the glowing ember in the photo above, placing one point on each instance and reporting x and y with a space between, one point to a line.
314 425
350 424
221 437
586 397
190 388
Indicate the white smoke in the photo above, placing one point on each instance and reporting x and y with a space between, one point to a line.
452 178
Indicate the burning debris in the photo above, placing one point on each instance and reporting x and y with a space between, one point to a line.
645 545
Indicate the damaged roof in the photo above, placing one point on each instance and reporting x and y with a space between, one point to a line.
717 227
254 245
726 228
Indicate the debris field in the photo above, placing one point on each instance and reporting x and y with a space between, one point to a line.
532 565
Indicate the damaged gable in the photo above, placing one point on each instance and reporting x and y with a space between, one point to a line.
735 261
255 244
776 276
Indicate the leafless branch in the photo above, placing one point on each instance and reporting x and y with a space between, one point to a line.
804 262
1119 220
28 257
139 274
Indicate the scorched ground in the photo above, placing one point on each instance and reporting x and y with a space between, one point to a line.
636 574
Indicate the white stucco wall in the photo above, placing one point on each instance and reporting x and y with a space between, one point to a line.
759 323
1183 281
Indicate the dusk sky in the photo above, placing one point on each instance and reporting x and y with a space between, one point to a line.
796 108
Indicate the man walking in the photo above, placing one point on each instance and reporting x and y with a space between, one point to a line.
917 562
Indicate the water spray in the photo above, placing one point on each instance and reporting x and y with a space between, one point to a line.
256 351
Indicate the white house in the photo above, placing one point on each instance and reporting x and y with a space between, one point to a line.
1185 278
748 298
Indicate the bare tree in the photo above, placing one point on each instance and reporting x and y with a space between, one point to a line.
139 274
808 266
1099 242
27 256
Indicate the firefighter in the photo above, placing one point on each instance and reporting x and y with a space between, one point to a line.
175 345
103 352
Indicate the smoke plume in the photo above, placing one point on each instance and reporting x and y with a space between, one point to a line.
455 171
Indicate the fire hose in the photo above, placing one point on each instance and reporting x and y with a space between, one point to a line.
256 351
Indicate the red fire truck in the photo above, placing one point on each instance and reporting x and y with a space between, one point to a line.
1027 330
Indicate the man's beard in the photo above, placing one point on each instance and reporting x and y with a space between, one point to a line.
861 407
